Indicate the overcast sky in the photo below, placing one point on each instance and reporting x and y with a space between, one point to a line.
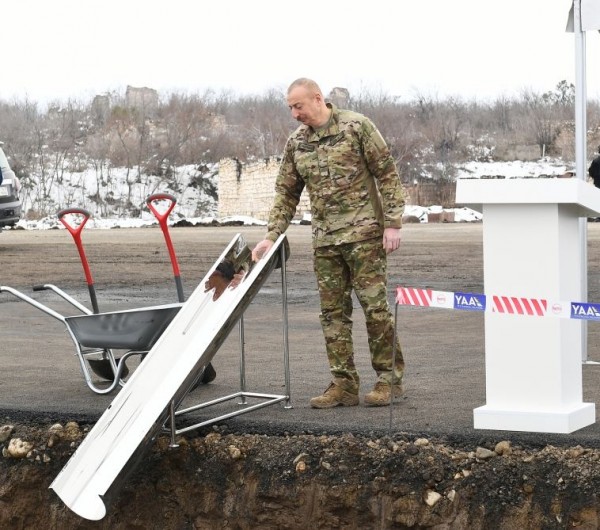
56 49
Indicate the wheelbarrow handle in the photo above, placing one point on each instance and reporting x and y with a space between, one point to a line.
162 217
74 230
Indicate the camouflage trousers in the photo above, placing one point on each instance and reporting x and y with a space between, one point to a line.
362 267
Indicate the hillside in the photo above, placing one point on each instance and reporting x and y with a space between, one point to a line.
109 154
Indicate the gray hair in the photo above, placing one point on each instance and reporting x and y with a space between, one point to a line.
309 84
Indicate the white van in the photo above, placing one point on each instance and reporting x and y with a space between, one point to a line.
10 200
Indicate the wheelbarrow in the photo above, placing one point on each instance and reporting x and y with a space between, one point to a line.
96 335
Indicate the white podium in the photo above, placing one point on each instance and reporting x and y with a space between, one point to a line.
532 248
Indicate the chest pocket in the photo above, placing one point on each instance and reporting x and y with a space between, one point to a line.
345 160
334 162
306 160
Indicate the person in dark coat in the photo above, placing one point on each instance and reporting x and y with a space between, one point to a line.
594 170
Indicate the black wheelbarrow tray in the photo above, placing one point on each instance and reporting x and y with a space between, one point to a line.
133 329
96 335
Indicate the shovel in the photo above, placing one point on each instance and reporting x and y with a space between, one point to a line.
75 228
162 215
74 220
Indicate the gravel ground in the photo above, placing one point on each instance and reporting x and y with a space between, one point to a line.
444 350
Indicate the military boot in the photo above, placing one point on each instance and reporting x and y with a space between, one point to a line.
381 394
334 396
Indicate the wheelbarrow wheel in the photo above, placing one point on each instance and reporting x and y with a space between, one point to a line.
205 377
102 368
209 374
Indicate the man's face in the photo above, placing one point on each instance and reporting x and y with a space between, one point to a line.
305 106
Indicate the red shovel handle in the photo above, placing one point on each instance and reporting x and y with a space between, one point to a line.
75 231
162 221
162 217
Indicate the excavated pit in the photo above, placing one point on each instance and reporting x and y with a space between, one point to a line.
217 479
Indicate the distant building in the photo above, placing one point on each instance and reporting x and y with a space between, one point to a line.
340 97
142 98
249 189
101 108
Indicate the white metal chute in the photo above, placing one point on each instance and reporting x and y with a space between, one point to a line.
136 415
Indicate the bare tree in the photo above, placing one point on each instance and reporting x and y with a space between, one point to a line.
428 137
541 120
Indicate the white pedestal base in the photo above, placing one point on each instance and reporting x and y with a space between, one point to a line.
563 421
532 248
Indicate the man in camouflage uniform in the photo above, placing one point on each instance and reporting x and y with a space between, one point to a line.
356 204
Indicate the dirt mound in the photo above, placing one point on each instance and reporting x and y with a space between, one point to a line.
230 480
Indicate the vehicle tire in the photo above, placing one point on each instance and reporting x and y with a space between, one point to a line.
103 369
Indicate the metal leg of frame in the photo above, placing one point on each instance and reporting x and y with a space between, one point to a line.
286 348
242 400
393 367
172 427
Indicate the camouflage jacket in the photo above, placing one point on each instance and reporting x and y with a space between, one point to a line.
352 181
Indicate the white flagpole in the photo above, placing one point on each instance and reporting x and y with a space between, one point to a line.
581 150
580 95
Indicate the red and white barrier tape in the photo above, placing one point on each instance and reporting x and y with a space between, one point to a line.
509 305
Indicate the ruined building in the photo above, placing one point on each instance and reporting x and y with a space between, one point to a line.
248 189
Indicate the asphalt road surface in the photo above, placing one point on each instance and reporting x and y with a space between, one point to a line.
40 378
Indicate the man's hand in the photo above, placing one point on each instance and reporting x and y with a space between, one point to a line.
237 279
391 239
261 249
218 282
